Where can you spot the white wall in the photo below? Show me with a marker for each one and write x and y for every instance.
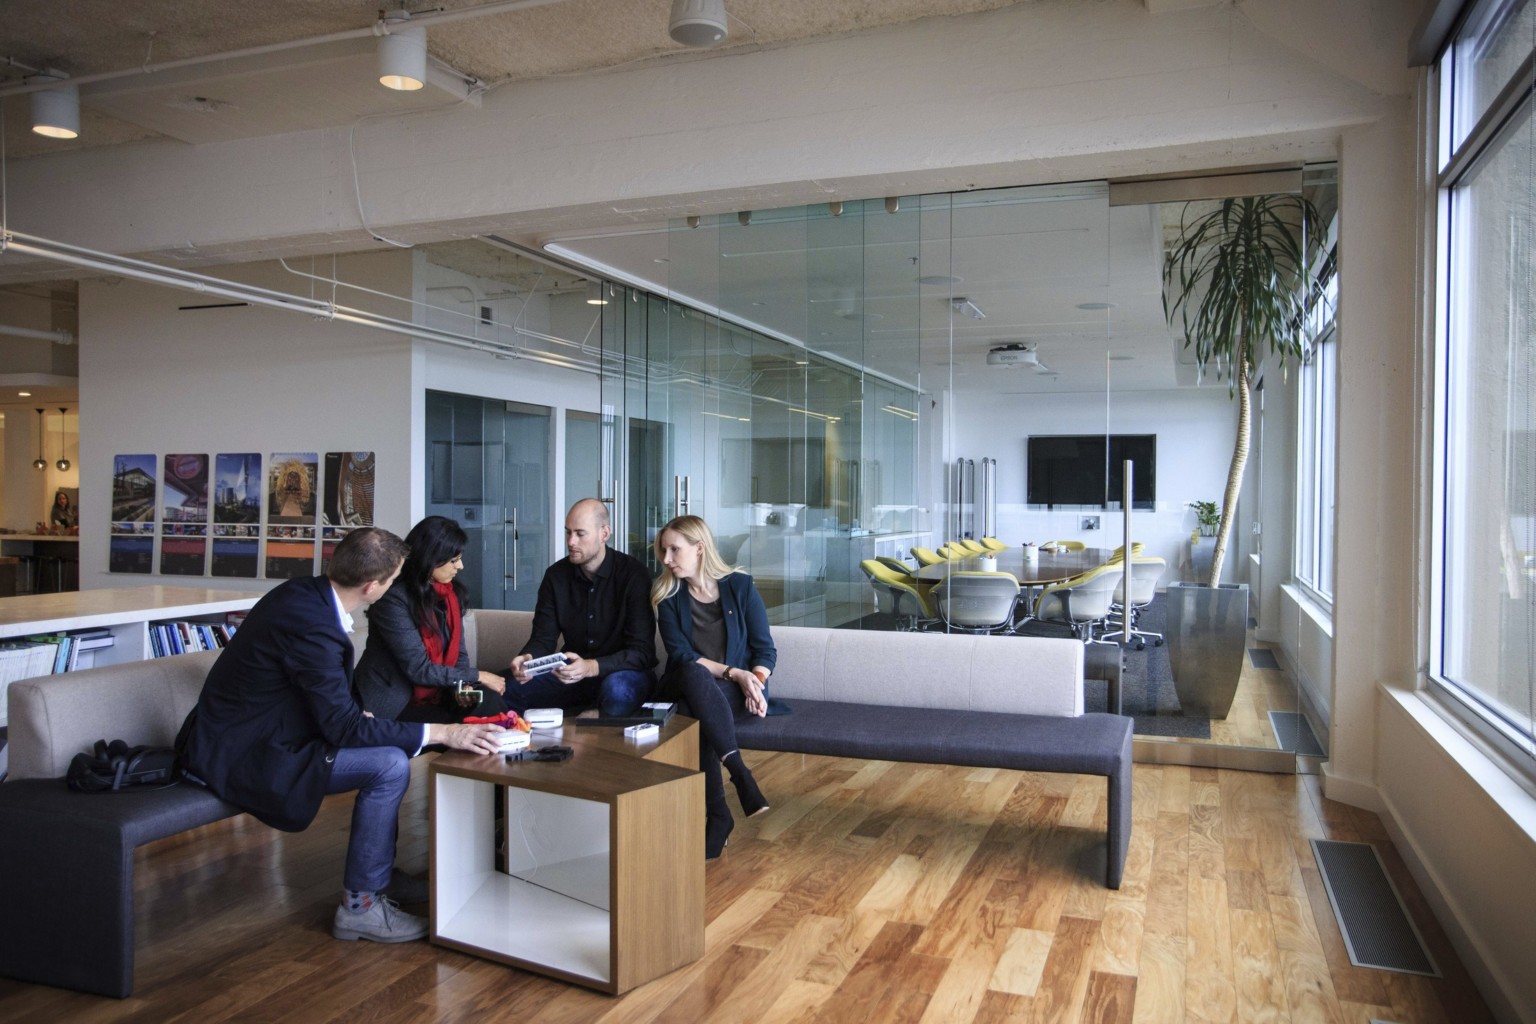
(155, 379)
(1195, 428)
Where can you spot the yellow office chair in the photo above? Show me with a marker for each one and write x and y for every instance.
(974, 547)
(895, 564)
(927, 556)
(1137, 547)
(977, 602)
(993, 544)
(949, 551)
(1081, 601)
(1069, 545)
(897, 595)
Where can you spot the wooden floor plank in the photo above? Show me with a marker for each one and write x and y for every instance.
(871, 891)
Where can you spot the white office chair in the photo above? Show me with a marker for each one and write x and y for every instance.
(1081, 601)
(977, 602)
(1145, 572)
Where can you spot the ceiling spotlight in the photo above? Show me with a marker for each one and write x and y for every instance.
(835, 208)
(693, 220)
(55, 109)
(40, 462)
(892, 204)
(63, 463)
(744, 218)
(961, 304)
(402, 52)
(698, 23)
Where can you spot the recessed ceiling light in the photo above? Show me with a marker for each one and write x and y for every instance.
(661, 259)
(1095, 305)
(853, 314)
(937, 279)
(24, 394)
(1121, 358)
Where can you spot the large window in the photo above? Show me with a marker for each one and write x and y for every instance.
(1484, 655)
(1316, 448)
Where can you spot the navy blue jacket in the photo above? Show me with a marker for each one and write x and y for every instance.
(277, 705)
(747, 640)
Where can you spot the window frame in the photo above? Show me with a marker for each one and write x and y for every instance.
(1455, 166)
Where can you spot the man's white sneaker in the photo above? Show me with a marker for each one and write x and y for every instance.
(381, 920)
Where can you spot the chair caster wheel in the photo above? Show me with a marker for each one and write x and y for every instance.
(1141, 645)
(1157, 643)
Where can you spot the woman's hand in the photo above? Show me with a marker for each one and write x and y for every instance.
(751, 690)
(492, 681)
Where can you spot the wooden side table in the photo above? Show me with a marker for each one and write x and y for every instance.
(604, 879)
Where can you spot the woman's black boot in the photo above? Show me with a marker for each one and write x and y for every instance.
(752, 799)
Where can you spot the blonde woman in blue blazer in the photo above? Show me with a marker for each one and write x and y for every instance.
(719, 657)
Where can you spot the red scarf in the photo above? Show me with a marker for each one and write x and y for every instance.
(434, 642)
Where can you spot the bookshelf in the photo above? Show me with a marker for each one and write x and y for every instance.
(126, 613)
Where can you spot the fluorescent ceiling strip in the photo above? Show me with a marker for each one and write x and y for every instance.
(60, 252)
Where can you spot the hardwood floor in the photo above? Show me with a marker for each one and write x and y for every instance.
(871, 891)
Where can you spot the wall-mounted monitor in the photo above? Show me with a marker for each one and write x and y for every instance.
(1087, 469)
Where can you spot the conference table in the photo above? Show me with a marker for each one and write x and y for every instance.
(1048, 567)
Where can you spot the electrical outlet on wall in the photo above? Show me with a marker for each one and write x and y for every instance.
(469, 514)
(1090, 522)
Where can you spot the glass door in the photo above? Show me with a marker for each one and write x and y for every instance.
(489, 467)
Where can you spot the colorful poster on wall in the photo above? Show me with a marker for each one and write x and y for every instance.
(291, 490)
(348, 489)
(237, 488)
(184, 516)
(292, 510)
(132, 544)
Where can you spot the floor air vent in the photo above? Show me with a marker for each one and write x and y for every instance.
(1294, 733)
(1262, 657)
(1377, 930)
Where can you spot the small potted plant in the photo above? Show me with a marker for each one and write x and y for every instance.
(1208, 516)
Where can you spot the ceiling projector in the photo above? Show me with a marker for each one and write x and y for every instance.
(1015, 354)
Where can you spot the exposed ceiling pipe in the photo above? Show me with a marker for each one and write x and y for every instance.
(318, 309)
(378, 28)
(57, 337)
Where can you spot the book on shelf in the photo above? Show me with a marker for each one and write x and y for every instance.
(187, 637)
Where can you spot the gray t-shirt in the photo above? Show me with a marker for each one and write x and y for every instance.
(709, 630)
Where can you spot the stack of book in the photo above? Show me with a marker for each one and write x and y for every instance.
(46, 654)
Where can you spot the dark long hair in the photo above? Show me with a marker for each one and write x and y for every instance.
(433, 541)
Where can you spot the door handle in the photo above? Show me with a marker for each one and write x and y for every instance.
(512, 522)
(687, 508)
(677, 495)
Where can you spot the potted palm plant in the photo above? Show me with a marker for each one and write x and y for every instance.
(1239, 281)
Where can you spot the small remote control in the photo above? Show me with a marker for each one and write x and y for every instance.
(548, 663)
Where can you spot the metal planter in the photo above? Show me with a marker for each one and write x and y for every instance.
(1207, 633)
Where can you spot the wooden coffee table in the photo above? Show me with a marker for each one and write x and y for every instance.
(604, 877)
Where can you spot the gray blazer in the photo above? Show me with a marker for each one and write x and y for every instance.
(396, 658)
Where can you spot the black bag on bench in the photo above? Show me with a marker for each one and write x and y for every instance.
(116, 766)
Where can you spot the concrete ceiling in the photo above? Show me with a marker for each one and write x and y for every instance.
(333, 83)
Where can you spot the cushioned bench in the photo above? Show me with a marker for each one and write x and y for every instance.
(977, 701)
(67, 858)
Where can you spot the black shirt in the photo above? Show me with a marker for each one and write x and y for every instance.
(709, 630)
(606, 616)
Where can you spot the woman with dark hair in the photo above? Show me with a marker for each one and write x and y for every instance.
(719, 656)
(416, 662)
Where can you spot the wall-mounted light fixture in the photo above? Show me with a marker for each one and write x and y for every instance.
(63, 464)
(402, 53)
(40, 462)
(56, 109)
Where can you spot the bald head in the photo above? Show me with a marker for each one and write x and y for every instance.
(586, 534)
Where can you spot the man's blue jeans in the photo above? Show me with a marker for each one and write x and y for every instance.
(616, 695)
(380, 775)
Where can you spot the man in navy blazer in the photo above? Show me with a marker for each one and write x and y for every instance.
(277, 727)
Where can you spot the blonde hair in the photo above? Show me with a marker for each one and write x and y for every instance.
(695, 531)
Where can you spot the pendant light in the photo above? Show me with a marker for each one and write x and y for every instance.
(63, 464)
(402, 53)
(40, 462)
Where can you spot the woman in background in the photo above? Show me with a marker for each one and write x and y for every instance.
(719, 657)
(63, 513)
(416, 657)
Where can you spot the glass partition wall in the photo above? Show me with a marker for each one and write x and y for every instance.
(833, 385)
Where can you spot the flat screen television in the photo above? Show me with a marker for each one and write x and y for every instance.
(1086, 469)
